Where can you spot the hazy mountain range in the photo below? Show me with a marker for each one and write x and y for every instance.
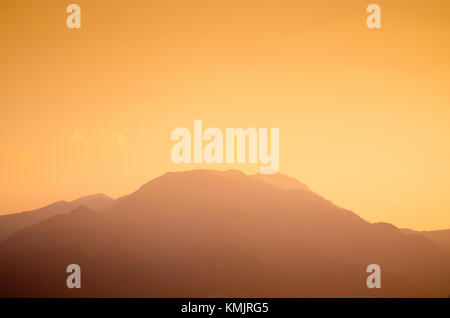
(11, 223)
(207, 233)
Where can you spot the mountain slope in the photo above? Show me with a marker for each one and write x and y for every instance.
(281, 181)
(11, 223)
(224, 234)
(440, 237)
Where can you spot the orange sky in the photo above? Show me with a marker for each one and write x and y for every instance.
(364, 115)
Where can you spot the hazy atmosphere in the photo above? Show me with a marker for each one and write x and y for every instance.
(363, 114)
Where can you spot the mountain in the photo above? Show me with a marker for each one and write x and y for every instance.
(281, 181)
(11, 223)
(209, 233)
(440, 237)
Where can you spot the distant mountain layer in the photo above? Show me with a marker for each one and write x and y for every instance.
(220, 234)
(11, 223)
(440, 237)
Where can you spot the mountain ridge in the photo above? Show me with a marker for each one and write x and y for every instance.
(203, 233)
(10, 223)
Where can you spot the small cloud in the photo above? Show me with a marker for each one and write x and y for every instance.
(26, 156)
(119, 139)
(115, 139)
(75, 135)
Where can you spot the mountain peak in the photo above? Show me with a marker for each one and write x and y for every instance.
(97, 201)
(282, 181)
(209, 232)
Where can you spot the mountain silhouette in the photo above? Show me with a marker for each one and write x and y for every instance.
(205, 233)
(440, 237)
(282, 181)
(11, 223)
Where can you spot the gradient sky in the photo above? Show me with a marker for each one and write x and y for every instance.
(364, 115)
